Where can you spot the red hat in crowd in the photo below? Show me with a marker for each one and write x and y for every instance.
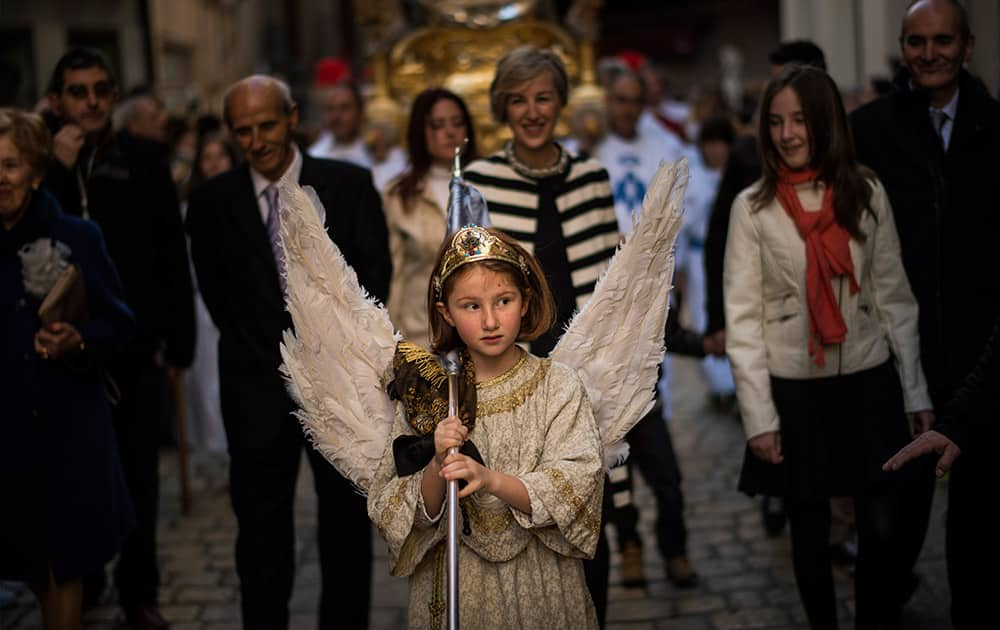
(634, 59)
(330, 71)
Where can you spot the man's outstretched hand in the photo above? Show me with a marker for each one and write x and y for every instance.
(926, 442)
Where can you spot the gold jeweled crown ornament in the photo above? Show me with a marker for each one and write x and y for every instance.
(473, 244)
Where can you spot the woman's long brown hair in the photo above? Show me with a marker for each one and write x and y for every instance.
(408, 186)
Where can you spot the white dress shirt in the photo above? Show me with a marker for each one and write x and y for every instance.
(260, 182)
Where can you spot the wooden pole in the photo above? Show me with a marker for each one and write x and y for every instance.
(182, 444)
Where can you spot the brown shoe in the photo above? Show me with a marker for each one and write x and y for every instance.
(632, 565)
(145, 618)
(680, 572)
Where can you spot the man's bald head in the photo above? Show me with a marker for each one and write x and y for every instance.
(955, 8)
(258, 85)
(262, 117)
(935, 41)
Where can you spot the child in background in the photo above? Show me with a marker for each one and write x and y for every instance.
(821, 331)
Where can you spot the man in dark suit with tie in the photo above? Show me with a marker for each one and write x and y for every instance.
(232, 220)
(933, 144)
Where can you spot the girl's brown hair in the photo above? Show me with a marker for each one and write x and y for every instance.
(541, 314)
(830, 143)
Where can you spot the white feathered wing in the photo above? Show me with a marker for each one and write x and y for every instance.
(338, 358)
(615, 342)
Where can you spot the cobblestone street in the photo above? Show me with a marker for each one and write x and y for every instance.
(746, 577)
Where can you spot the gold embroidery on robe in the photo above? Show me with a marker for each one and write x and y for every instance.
(516, 569)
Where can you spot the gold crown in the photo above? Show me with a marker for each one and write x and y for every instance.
(473, 244)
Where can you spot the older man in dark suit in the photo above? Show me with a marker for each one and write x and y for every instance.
(933, 143)
(233, 223)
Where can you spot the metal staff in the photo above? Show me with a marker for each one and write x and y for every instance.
(455, 191)
(452, 367)
(466, 205)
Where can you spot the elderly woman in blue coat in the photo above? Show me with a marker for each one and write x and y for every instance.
(66, 504)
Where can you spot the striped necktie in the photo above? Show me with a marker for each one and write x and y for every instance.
(274, 232)
(939, 118)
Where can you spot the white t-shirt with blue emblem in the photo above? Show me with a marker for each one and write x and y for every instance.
(631, 165)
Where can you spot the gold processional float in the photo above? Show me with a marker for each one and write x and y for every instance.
(458, 49)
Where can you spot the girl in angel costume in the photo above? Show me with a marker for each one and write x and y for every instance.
(534, 433)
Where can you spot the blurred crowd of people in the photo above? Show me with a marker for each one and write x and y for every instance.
(834, 273)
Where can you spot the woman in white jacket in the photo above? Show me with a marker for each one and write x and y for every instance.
(822, 336)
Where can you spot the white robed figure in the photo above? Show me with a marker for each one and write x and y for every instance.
(541, 430)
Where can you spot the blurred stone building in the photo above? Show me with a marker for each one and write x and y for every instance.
(189, 50)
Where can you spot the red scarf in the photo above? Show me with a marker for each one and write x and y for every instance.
(828, 254)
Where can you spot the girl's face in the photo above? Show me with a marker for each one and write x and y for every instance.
(444, 131)
(532, 112)
(214, 160)
(486, 308)
(789, 133)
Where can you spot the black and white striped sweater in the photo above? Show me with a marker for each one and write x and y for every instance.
(585, 204)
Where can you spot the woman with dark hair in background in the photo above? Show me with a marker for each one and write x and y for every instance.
(69, 509)
(416, 203)
(215, 154)
(822, 337)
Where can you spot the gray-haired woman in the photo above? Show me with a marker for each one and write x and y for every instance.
(558, 206)
(68, 507)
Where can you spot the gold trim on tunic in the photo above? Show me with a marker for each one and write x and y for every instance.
(437, 606)
(566, 493)
(485, 520)
(392, 506)
(506, 376)
(516, 398)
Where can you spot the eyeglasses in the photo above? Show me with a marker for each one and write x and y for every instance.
(101, 89)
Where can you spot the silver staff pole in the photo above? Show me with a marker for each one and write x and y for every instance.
(456, 191)
(452, 368)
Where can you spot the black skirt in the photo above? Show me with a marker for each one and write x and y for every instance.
(836, 432)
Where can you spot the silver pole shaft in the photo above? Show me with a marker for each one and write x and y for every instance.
(453, 510)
